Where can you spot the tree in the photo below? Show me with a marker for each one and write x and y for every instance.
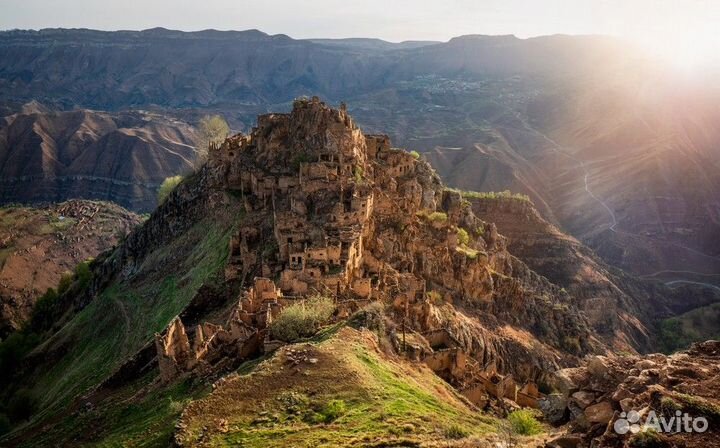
(167, 187)
(212, 129)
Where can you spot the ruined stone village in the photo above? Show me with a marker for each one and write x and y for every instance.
(345, 215)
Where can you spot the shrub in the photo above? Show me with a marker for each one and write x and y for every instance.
(496, 195)
(167, 187)
(456, 432)
(463, 237)
(302, 320)
(65, 282)
(669, 406)
(212, 129)
(358, 174)
(415, 154)
(470, 253)
(12, 350)
(523, 422)
(83, 274)
(43, 308)
(437, 217)
(333, 410)
(435, 297)
(371, 316)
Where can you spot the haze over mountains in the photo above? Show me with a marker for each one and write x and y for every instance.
(611, 146)
(310, 284)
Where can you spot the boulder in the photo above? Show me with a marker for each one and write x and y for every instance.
(566, 441)
(555, 408)
(600, 413)
(645, 364)
(598, 367)
(621, 394)
(583, 398)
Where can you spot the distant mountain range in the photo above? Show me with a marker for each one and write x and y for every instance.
(611, 146)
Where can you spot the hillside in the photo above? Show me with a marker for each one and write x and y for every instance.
(50, 156)
(624, 308)
(604, 157)
(39, 245)
(311, 284)
(248, 236)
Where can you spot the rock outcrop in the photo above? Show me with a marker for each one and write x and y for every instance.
(613, 401)
(335, 212)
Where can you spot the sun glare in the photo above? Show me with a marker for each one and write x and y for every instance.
(685, 37)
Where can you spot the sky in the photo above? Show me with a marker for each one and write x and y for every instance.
(687, 27)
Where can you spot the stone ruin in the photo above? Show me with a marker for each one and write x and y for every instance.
(332, 211)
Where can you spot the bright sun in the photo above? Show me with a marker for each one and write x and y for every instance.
(686, 35)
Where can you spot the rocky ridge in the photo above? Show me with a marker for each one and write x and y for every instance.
(335, 212)
(610, 401)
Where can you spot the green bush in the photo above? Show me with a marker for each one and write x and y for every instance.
(302, 320)
(211, 129)
(83, 274)
(572, 345)
(167, 187)
(333, 410)
(371, 316)
(456, 432)
(463, 237)
(437, 217)
(523, 422)
(415, 154)
(470, 253)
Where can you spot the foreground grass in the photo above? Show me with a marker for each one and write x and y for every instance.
(349, 395)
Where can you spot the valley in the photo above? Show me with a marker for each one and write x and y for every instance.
(458, 235)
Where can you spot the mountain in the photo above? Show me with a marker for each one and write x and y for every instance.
(614, 165)
(50, 156)
(113, 70)
(194, 291)
(612, 147)
(40, 245)
(310, 283)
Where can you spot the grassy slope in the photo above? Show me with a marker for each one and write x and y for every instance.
(387, 401)
(700, 324)
(126, 316)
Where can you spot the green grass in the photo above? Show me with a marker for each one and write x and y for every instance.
(128, 313)
(498, 195)
(701, 324)
(468, 252)
(123, 420)
(362, 400)
(437, 217)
